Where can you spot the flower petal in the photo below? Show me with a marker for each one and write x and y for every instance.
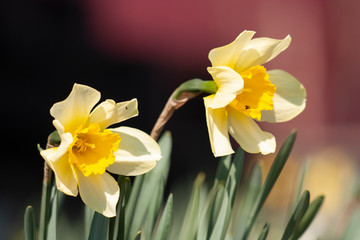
(99, 192)
(249, 135)
(217, 123)
(58, 160)
(289, 99)
(229, 83)
(259, 51)
(137, 154)
(75, 109)
(228, 55)
(109, 112)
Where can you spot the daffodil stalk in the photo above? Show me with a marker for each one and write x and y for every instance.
(46, 188)
(185, 92)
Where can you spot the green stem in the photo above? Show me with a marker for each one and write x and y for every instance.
(45, 203)
(46, 192)
(196, 85)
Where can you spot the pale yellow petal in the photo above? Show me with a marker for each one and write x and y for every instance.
(108, 112)
(58, 160)
(228, 55)
(229, 83)
(260, 51)
(99, 192)
(75, 109)
(217, 123)
(249, 135)
(289, 99)
(59, 127)
(137, 154)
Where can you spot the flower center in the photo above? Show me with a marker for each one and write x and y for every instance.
(92, 150)
(257, 94)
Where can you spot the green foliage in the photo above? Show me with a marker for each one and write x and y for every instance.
(29, 224)
(228, 210)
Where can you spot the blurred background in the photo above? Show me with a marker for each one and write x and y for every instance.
(145, 49)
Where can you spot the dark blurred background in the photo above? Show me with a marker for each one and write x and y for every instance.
(145, 49)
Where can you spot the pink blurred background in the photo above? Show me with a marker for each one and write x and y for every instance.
(324, 54)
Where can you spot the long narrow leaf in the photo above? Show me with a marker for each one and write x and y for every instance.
(88, 217)
(142, 194)
(248, 197)
(204, 222)
(44, 209)
(99, 227)
(297, 215)
(116, 228)
(271, 178)
(222, 170)
(29, 224)
(163, 228)
(233, 179)
(120, 221)
(231, 187)
(153, 209)
(220, 226)
(308, 217)
(264, 232)
(51, 228)
(190, 222)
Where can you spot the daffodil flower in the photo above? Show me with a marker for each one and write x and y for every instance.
(247, 92)
(88, 150)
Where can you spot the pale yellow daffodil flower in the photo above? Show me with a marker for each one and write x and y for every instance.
(88, 149)
(247, 92)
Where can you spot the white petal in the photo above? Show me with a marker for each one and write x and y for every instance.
(228, 55)
(75, 109)
(58, 160)
(137, 154)
(109, 112)
(289, 99)
(249, 135)
(259, 51)
(229, 83)
(99, 192)
(217, 123)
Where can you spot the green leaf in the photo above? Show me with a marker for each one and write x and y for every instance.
(190, 222)
(116, 225)
(99, 227)
(231, 187)
(51, 228)
(142, 194)
(264, 232)
(54, 138)
(205, 223)
(248, 198)
(163, 228)
(220, 224)
(233, 178)
(138, 236)
(196, 85)
(44, 209)
(88, 217)
(297, 215)
(153, 209)
(29, 224)
(270, 180)
(222, 170)
(308, 217)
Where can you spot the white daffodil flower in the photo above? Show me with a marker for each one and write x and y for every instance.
(248, 92)
(88, 149)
